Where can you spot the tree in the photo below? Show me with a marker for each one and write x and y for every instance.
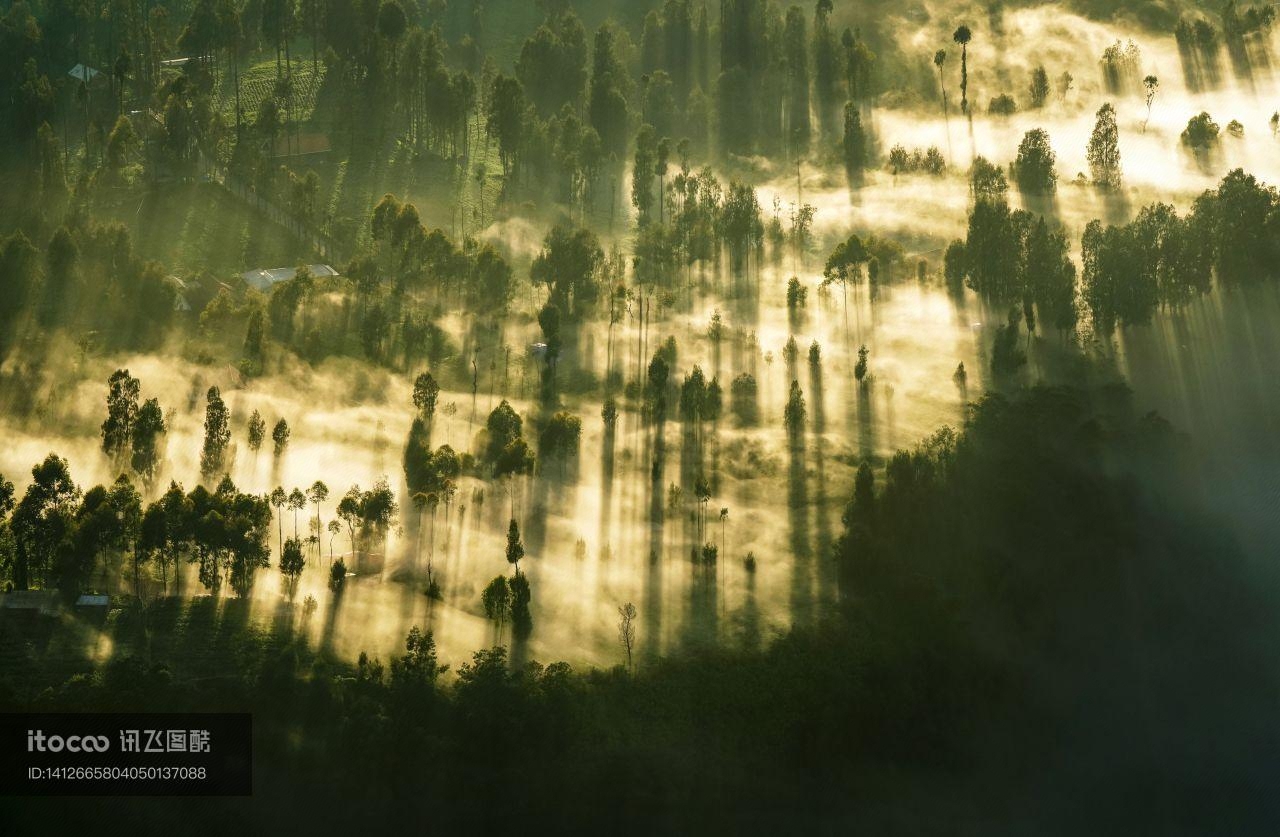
(1104, 150)
(291, 560)
(152, 542)
(257, 430)
(549, 324)
(280, 437)
(337, 575)
(255, 341)
(844, 266)
(425, 394)
(42, 521)
(552, 65)
(568, 264)
(297, 502)
(515, 549)
(1065, 83)
(608, 97)
(122, 409)
(108, 520)
(496, 600)
(627, 629)
(795, 49)
(955, 267)
(334, 528)
(420, 665)
(317, 494)
(1201, 133)
(521, 596)
(855, 140)
(1033, 170)
(217, 434)
(1039, 89)
(378, 508)
(642, 169)
(743, 393)
(1006, 356)
(560, 438)
(1238, 224)
(504, 448)
(392, 23)
(6, 497)
(794, 413)
(62, 270)
(178, 511)
(1002, 105)
(939, 59)
(19, 279)
(826, 67)
(860, 368)
(505, 120)
(491, 279)
(656, 385)
(148, 426)
(1050, 276)
(120, 145)
(279, 498)
(858, 61)
(724, 518)
(1151, 85)
(962, 36)
(349, 512)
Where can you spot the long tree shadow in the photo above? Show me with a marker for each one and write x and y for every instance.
(751, 612)
(282, 619)
(1250, 56)
(1200, 69)
(826, 577)
(799, 531)
(1116, 207)
(702, 626)
(866, 421)
(332, 610)
(651, 642)
(607, 465)
(194, 637)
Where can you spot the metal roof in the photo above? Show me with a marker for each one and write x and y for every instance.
(264, 278)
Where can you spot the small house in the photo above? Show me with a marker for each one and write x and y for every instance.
(93, 606)
(83, 73)
(29, 604)
(264, 279)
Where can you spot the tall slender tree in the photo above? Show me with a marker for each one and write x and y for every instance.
(962, 36)
(939, 59)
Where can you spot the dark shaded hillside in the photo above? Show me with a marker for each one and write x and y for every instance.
(1041, 635)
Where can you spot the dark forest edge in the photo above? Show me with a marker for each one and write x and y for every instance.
(1039, 582)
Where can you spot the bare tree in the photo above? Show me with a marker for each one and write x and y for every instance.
(627, 629)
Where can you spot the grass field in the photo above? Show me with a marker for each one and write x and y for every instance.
(258, 81)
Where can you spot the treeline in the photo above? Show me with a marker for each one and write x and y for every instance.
(1021, 601)
(1160, 259)
(58, 536)
(85, 276)
(561, 121)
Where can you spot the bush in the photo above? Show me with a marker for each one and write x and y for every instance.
(1002, 105)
